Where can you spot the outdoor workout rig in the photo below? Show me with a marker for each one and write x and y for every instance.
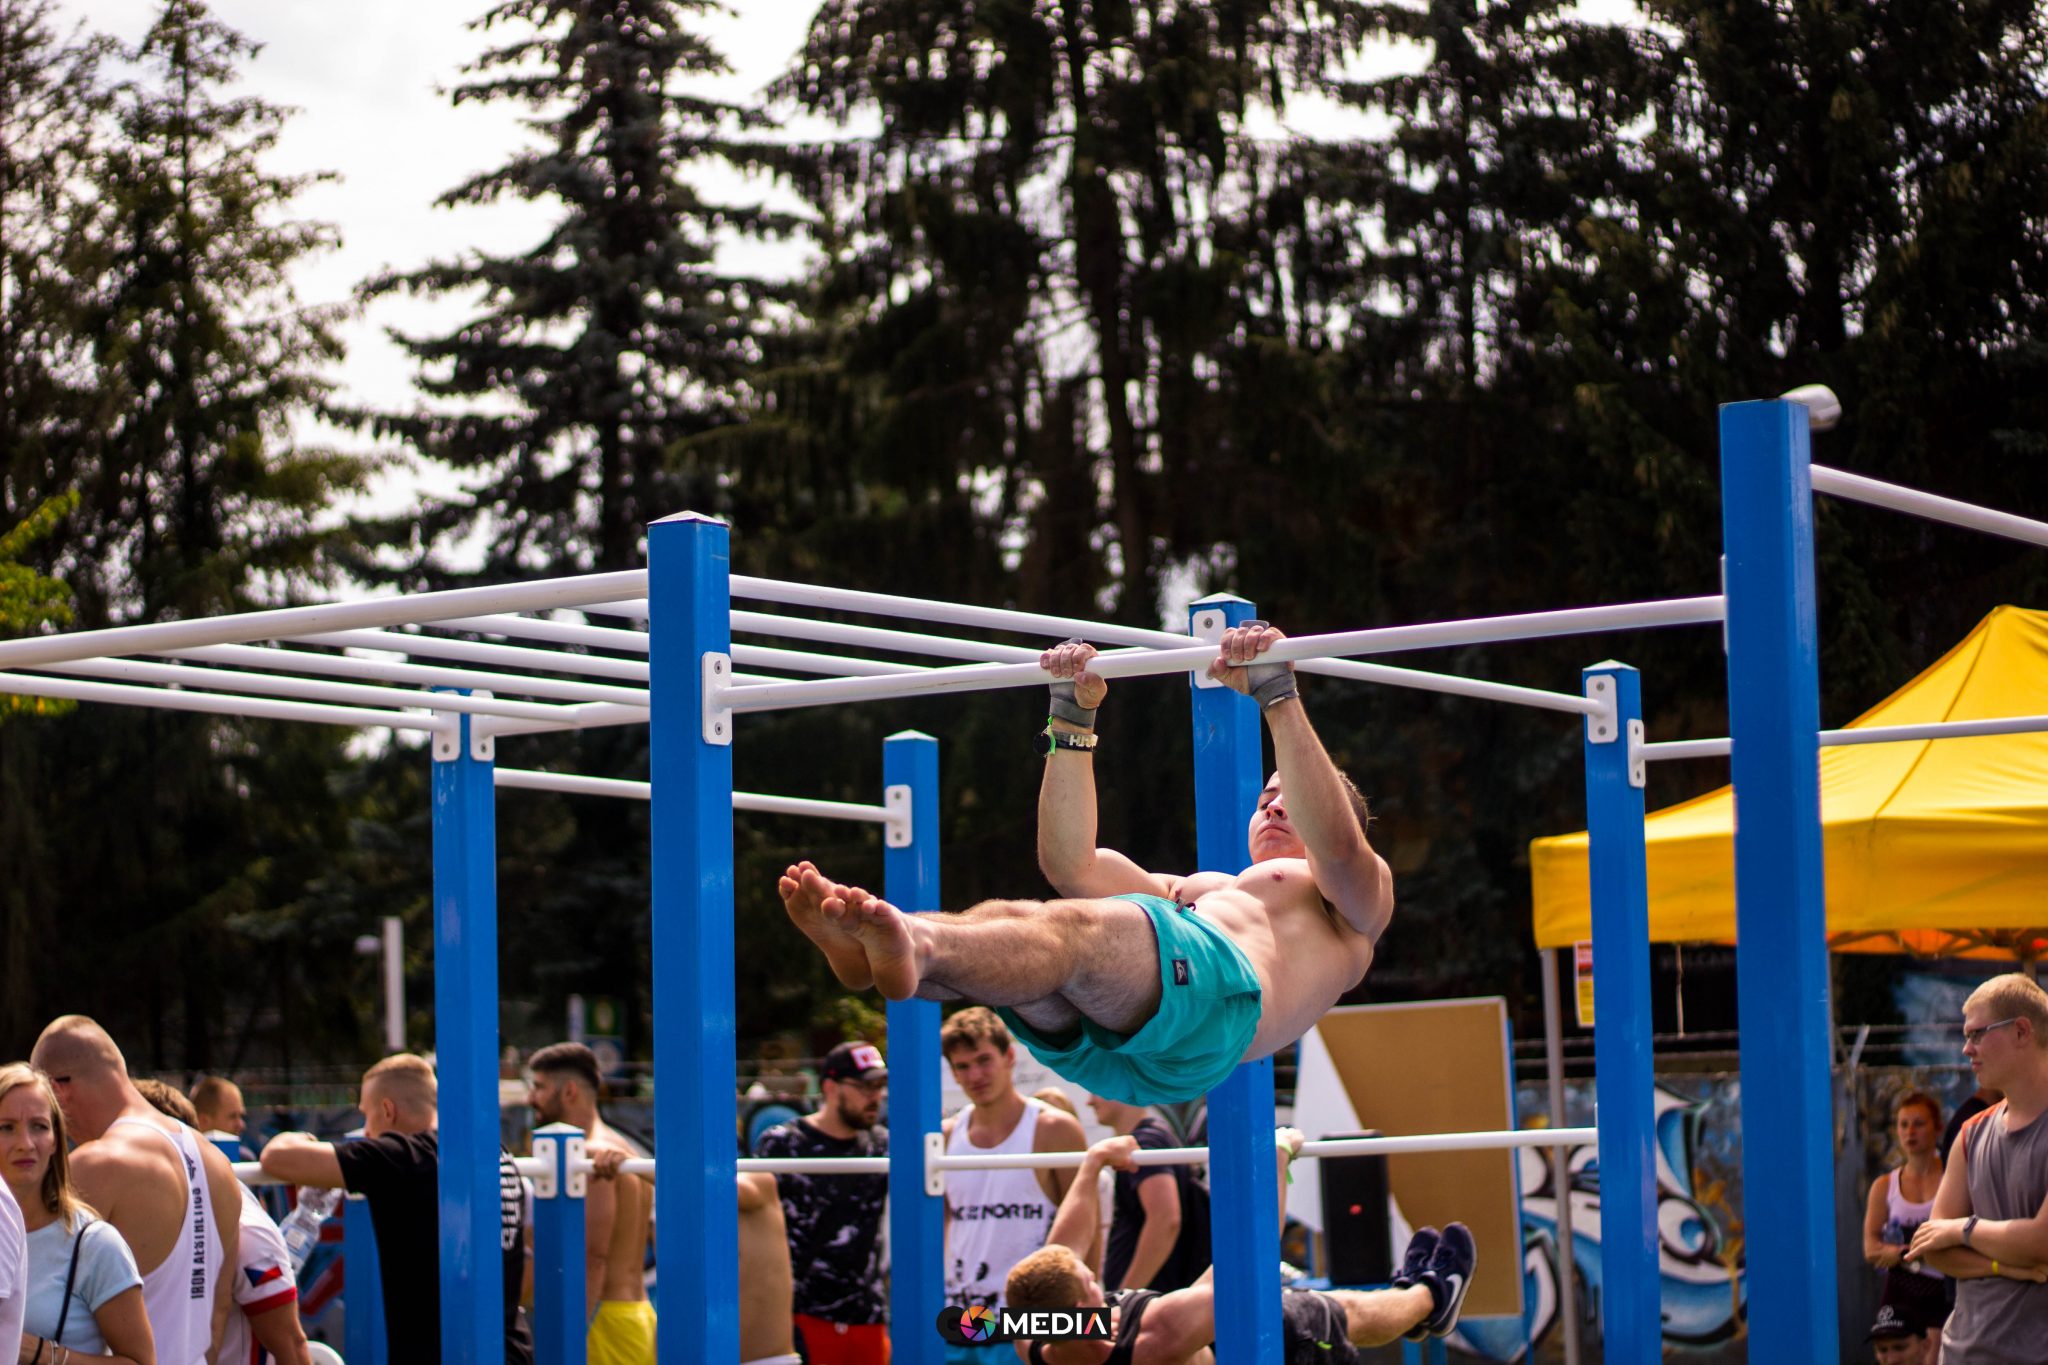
(679, 675)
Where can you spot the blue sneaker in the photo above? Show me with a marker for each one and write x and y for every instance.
(1449, 1276)
(1414, 1266)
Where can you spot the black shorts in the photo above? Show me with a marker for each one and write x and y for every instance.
(1313, 1329)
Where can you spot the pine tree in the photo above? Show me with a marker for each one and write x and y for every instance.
(577, 399)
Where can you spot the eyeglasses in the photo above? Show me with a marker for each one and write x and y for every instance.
(1974, 1036)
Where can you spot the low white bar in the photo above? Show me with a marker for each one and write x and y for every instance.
(510, 656)
(281, 622)
(1857, 488)
(390, 670)
(1865, 734)
(530, 779)
(252, 1173)
(590, 716)
(205, 703)
(1388, 639)
(300, 689)
(1310, 1151)
(816, 1165)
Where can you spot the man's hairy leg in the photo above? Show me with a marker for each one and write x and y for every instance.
(1374, 1317)
(1099, 957)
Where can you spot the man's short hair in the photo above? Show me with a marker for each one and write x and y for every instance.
(211, 1092)
(569, 1059)
(407, 1080)
(970, 1028)
(75, 1045)
(1046, 1279)
(167, 1099)
(2015, 996)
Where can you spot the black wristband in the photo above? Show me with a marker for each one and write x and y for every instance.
(1062, 739)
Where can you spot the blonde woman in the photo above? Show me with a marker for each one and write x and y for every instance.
(84, 1297)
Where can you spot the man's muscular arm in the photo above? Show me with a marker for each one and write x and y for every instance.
(1356, 880)
(1067, 853)
(224, 1193)
(1057, 1132)
(302, 1159)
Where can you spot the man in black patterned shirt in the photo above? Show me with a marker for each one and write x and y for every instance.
(834, 1220)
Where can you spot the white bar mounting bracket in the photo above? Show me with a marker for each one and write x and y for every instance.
(934, 1178)
(1602, 728)
(1209, 628)
(717, 678)
(1638, 766)
(898, 831)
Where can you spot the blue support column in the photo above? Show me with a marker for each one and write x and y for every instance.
(695, 1108)
(1632, 1324)
(466, 1049)
(1781, 959)
(1244, 1230)
(362, 1287)
(560, 1329)
(917, 1221)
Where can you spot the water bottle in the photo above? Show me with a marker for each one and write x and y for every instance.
(301, 1227)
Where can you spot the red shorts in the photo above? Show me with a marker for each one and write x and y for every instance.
(836, 1343)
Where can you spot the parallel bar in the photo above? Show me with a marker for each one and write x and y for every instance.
(256, 708)
(1632, 1327)
(511, 656)
(300, 689)
(1857, 488)
(1244, 1229)
(988, 677)
(689, 558)
(799, 661)
(588, 716)
(472, 1326)
(917, 1221)
(389, 670)
(281, 622)
(1864, 734)
(530, 779)
(559, 632)
(1781, 961)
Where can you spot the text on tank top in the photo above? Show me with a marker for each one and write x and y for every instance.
(177, 1296)
(998, 1217)
(1999, 1319)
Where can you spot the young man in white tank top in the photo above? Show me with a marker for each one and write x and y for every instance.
(172, 1197)
(995, 1219)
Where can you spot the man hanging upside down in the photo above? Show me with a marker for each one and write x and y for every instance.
(1141, 986)
(1179, 1327)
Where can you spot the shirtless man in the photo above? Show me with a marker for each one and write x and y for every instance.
(1179, 1327)
(1141, 986)
(767, 1326)
(170, 1194)
(615, 1211)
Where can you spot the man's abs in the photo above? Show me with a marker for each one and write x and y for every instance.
(1278, 918)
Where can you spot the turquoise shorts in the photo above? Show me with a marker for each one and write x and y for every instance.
(1208, 1011)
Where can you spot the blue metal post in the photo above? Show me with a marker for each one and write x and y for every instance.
(1632, 1325)
(917, 1221)
(362, 1287)
(560, 1326)
(466, 1049)
(1788, 1138)
(1244, 1232)
(695, 1107)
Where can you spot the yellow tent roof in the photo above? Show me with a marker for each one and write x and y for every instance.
(1932, 846)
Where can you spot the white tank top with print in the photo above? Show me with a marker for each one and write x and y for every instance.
(177, 1296)
(998, 1217)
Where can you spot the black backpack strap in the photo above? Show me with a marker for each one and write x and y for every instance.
(70, 1279)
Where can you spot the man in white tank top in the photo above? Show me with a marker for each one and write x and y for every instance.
(171, 1195)
(996, 1218)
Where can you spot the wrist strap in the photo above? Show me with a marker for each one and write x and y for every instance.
(1061, 739)
(1269, 684)
(1969, 1227)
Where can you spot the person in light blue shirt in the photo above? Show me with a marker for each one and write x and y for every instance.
(83, 1294)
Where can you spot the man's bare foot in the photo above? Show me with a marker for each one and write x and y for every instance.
(884, 934)
(804, 891)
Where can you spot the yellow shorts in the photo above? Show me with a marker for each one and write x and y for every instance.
(622, 1334)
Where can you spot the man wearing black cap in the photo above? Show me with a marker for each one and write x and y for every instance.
(1901, 1335)
(834, 1220)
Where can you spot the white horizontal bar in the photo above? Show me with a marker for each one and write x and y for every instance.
(533, 780)
(897, 641)
(798, 661)
(299, 689)
(389, 670)
(252, 1173)
(256, 708)
(511, 656)
(988, 677)
(813, 1165)
(589, 716)
(1857, 488)
(560, 632)
(282, 622)
(1865, 734)
(1334, 1147)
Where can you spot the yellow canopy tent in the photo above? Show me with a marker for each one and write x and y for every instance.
(1938, 847)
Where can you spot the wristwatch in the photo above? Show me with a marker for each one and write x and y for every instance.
(1969, 1226)
(1063, 739)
